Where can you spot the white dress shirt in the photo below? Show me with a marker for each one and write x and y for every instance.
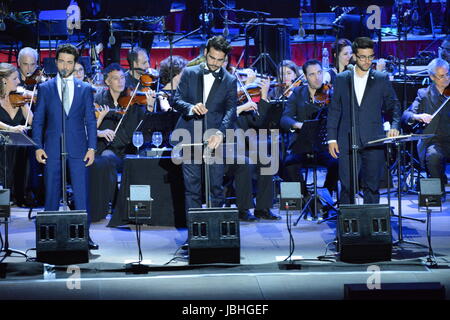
(360, 85)
(208, 81)
(71, 85)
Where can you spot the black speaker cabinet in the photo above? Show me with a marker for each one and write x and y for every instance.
(214, 235)
(431, 192)
(62, 237)
(364, 233)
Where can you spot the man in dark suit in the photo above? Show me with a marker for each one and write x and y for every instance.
(301, 106)
(372, 94)
(206, 99)
(64, 94)
(435, 151)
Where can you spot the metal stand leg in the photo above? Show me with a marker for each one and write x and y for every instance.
(8, 251)
(399, 196)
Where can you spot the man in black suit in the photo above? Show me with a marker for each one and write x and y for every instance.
(206, 99)
(435, 151)
(372, 94)
(302, 106)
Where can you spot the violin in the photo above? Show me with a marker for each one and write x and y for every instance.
(127, 98)
(297, 82)
(19, 100)
(253, 90)
(35, 78)
(99, 109)
(323, 95)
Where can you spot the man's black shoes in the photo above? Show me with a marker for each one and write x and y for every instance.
(92, 245)
(266, 214)
(246, 215)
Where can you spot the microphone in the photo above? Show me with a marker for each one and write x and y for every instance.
(112, 39)
(226, 31)
(301, 30)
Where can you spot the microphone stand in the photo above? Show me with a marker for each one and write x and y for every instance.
(63, 151)
(353, 144)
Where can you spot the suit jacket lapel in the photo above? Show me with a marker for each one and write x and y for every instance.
(369, 85)
(76, 94)
(200, 83)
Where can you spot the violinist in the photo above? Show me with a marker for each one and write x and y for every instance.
(139, 63)
(433, 152)
(169, 84)
(288, 73)
(27, 61)
(15, 119)
(301, 106)
(113, 139)
(253, 115)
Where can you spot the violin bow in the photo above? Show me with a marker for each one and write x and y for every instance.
(126, 109)
(29, 107)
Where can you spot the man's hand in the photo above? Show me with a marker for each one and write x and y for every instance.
(199, 109)
(333, 149)
(393, 133)
(214, 141)
(41, 156)
(89, 157)
(108, 134)
(423, 117)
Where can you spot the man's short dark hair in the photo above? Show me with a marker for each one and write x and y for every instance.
(112, 67)
(69, 49)
(219, 43)
(362, 43)
(311, 62)
(133, 54)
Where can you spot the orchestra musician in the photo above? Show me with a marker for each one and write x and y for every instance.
(69, 97)
(433, 152)
(113, 140)
(27, 61)
(253, 115)
(301, 106)
(206, 94)
(288, 73)
(373, 95)
(444, 49)
(139, 63)
(341, 53)
(14, 118)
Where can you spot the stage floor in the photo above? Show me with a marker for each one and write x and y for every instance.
(259, 276)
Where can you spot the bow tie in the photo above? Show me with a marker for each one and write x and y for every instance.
(216, 74)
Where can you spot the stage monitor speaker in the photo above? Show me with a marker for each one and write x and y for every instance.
(364, 233)
(430, 190)
(62, 237)
(214, 235)
(140, 204)
(290, 194)
(396, 291)
(5, 207)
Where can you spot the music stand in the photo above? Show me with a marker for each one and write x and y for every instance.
(397, 141)
(8, 138)
(308, 142)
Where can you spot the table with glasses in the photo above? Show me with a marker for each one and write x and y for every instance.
(167, 190)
